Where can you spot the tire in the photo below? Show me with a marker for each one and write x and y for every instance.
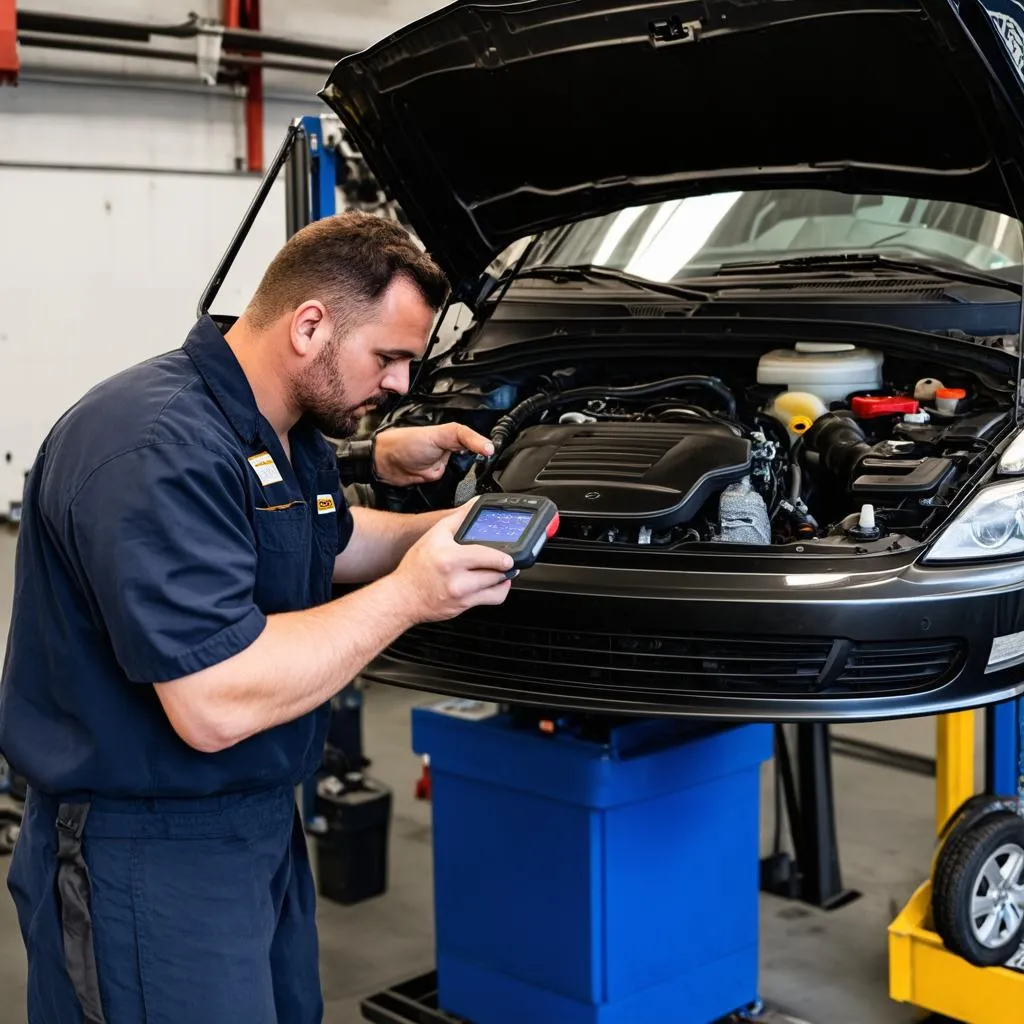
(948, 856)
(978, 891)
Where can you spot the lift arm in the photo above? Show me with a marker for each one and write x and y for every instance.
(954, 757)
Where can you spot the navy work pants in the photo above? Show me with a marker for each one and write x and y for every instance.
(167, 911)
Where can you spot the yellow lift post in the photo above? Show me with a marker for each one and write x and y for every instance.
(922, 971)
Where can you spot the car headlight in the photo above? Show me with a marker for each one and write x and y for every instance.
(991, 526)
(1012, 459)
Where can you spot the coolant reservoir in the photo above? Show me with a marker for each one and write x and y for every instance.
(828, 371)
(797, 411)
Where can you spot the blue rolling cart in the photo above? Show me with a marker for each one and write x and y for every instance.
(588, 871)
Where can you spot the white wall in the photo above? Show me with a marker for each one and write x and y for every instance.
(119, 191)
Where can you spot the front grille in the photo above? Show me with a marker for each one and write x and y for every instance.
(906, 664)
(650, 663)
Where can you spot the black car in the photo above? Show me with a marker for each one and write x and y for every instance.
(738, 285)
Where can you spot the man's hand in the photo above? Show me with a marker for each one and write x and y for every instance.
(444, 579)
(418, 455)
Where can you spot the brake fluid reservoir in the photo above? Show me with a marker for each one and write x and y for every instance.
(829, 371)
(796, 411)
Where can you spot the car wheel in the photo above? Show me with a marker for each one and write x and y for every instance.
(978, 891)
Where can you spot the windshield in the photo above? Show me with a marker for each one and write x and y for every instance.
(683, 238)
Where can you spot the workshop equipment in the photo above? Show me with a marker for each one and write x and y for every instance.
(592, 871)
(812, 872)
(518, 524)
(923, 971)
(352, 847)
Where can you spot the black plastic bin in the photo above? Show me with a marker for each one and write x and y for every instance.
(352, 854)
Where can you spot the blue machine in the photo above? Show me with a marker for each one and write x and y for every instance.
(602, 879)
(323, 169)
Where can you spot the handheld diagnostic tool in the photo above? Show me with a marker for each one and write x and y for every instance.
(519, 524)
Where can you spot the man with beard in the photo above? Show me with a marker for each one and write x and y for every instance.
(174, 641)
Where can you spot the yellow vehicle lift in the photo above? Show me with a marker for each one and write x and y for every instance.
(949, 946)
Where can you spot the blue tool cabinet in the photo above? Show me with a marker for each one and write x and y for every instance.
(586, 882)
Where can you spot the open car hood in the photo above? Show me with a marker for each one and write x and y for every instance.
(491, 121)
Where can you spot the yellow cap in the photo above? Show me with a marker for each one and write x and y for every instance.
(799, 424)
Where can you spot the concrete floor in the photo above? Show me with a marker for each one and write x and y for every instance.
(824, 967)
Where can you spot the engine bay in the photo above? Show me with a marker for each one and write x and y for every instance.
(819, 444)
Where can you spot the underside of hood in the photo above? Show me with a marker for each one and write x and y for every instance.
(490, 121)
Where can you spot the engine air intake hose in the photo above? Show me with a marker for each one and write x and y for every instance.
(840, 442)
(510, 423)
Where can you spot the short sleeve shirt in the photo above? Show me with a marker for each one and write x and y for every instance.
(162, 523)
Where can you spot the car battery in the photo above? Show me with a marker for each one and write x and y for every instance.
(352, 849)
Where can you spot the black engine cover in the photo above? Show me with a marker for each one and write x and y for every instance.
(653, 474)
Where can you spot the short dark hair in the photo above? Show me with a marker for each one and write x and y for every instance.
(346, 262)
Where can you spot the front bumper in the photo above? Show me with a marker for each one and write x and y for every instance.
(825, 643)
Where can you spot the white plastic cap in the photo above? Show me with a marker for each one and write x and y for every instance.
(824, 346)
(867, 517)
(916, 417)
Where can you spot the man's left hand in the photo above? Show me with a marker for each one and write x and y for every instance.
(418, 455)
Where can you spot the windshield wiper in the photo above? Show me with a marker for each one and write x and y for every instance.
(858, 263)
(586, 272)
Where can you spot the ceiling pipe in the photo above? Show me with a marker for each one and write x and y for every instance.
(101, 28)
(47, 42)
(237, 44)
(246, 40)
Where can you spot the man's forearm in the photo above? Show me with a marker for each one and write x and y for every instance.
(298, 662)
(379, 540)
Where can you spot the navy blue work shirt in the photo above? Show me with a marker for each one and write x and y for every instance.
(162, 523)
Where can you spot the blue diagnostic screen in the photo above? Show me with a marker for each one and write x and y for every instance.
(499, 525)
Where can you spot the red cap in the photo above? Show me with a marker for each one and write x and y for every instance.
(883, 405)
(552, 526)
(957, 393)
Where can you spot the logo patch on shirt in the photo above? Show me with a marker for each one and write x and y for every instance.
(266, 469)
(324, 504)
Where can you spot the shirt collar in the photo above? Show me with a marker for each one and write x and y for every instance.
(220, 370)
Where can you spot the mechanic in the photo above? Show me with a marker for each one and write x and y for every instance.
(174, 641)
